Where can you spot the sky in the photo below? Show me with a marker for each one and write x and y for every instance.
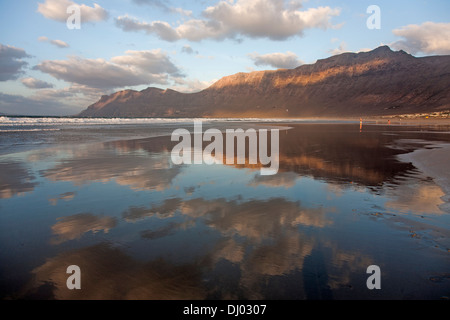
(50, 65)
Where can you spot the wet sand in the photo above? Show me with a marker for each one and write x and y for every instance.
(434, 162)
(141, 227)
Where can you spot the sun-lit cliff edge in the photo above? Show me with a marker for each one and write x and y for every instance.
(376, 83)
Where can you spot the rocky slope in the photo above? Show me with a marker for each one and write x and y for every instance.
(379, 82)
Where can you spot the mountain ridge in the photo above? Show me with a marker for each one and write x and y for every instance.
(375, 83)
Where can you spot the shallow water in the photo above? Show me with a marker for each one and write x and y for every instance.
(140, 227)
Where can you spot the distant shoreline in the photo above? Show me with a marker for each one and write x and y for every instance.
(369, 120)
(402, 121)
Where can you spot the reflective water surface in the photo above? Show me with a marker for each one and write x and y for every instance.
(140, 227)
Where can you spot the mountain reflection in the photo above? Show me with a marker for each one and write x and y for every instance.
(340, 154)
(335, 153)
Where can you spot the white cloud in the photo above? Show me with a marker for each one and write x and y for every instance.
(365, 49)
(156, 3)
(33, 83)
(161, 28)
(66, 101)
(188, 49)
(429, 38)
(181, 11)
(57, 43)
(342, 48)
(89, 79)
(288, 60)
(132, 69)
(57, 10)
(11, 62)
(273, 19)
(75, 97)
(20, 105)
(165, 5)
(191, 86)
(334, 40)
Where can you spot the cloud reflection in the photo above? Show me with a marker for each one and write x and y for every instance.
(110, 274)
(417, 198)
(254, 219)
(103, 163)
(65, 196)
(73, 227)
(261, 237)
(15, 179)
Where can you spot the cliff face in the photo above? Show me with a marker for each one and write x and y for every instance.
(379, 82)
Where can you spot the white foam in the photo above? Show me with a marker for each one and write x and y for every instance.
(28, 121)
(12, 121)
(27, 130)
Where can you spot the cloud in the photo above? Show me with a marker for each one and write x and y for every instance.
(429, 38)
(76, 96)
(33, 83)
(57, 43)
(273, 19)
(162, 29)
(188, 49)
(191, 85)
(45, 101)
(165, 5)
(341, 49)
(132, 69)
(11, 62)
(277, 60)
(20, 105)
(57, 10)
(155, 3)
(181, 11)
